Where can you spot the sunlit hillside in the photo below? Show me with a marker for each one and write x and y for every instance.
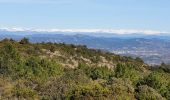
(50, 71)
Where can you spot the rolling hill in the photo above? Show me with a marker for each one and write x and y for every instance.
(59, 71)
(153, 49)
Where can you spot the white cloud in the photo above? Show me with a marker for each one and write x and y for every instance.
(110, 31)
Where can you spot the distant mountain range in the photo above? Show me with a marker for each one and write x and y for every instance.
(153, 48)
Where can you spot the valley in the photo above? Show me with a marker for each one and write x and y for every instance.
(153, 49)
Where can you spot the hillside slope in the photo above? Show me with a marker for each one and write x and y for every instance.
(153, 49)
(47, 71)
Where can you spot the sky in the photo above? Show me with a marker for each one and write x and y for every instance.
(86, 14)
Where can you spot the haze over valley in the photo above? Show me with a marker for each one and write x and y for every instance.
(152, 46)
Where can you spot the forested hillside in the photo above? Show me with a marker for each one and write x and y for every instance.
(51, 71)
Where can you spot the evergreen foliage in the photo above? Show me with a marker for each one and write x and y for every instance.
(50, 71)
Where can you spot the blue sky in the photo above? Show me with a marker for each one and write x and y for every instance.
(86, 14)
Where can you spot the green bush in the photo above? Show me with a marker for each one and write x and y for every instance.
(59, 88)
(24, 41)
(97, 72)
(148, 93)
(127, 71)
(10, 60)
(160, 81)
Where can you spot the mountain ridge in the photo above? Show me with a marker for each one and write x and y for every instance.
(135, 45)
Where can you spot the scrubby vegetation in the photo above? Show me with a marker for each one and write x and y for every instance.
(50, 71)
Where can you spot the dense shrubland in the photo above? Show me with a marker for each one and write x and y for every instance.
(48, 71)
